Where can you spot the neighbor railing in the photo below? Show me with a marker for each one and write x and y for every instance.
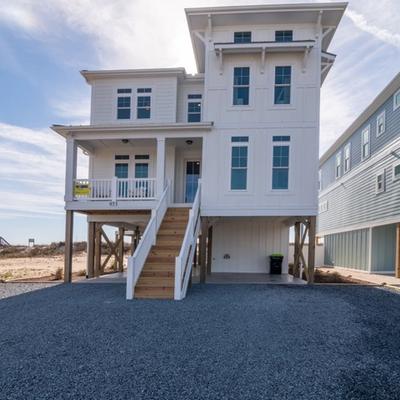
(137, 261)
(184, 262)
(115, 189)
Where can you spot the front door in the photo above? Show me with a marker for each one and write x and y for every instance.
(121, 172)
(191, 180)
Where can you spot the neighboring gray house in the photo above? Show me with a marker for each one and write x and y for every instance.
(359, 198)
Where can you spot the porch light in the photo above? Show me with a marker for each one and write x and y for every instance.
(189, 142)
(125, 141)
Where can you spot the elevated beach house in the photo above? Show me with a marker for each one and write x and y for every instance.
(359, 198)
(230, 153)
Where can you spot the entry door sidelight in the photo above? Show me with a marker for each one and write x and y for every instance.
(191, 180)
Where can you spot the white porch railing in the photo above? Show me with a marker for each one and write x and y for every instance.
(115, 189)
(137, 261)
(184, 262)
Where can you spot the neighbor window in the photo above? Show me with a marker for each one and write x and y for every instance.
(241, 86)
(380, 124)
(194, 108)
(347, 153)
(239, 155)
(143, 103)
(338, 164)
(124, 103)
(365, 143)
(283, 36)
(283, 80)
(280, 162)
(380, 182)
(396, 172)
(396, 100)
(242, 37)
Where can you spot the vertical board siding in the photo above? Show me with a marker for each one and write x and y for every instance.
(383, 248)
(376, 143)
(348, 249)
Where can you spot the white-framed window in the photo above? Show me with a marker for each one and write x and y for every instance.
(242, 37)
(365, 142)
(346, 161)
(283, 36)
(241, 86)
(282, 87)
(323, 207)
(280, 162)
(396, 172)
(396, 100)
(338, 165)
(194, 108)
(143, 103)
(380, 182)
(124, 99)
(239, 161)
(381, 123)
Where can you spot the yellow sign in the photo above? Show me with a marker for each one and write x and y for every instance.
(82, 189)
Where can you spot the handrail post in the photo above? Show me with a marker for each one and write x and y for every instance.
(130, 278)
(178, 278)
(114, 183)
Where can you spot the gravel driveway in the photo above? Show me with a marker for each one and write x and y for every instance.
(222, 342)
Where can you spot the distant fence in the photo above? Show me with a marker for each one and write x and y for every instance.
(319, 254)
(3, 242)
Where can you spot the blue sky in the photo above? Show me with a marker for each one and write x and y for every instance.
(43, 45)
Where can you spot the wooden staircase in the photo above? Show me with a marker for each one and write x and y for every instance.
(157, 279)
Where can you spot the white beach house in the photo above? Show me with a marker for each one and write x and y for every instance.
(230, 153)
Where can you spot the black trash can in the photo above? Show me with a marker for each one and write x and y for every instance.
(275, 264)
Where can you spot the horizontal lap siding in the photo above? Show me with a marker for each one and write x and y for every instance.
(348, 249)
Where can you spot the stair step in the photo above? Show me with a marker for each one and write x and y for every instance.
(173, 224)
(164, 252)
(159, 273)
(157, 266)
(160, 259)
(176, 218)
(154, 293)
(172, 231)
(155, 281)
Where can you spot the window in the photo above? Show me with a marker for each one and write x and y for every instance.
(241, 86)
(143, 103)
(365, 143)
(121, 157)
(239, 156)
(283, 36)
(242, 37)
(141, 170)
(396, 100)
(194, 108)
(121, 170)
(380, 124)
(142, 157)
(283, 78)
(380, 182)
(323, 207)
(396, 172)
(347, 154)
(124, 103)
(338, 162)
(280, 162)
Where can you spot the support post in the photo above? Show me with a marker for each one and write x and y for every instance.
(70, 168)
(209, 250)
(90, 250)
(121, 235)
(160, 166)
(311, 249)
(69, 229)
(296, 250)
(398, 251)
(97, 250)
(203, 249)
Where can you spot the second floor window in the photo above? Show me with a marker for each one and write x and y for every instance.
(280, 162)
(380, 124)
(242, 37)
(194, 108)
(239, 162)
(283, 80)
(347, 158)
(283, 36)
(143, 103)
(365, 143)
(124, 103)
(338, 165)
(241, 86)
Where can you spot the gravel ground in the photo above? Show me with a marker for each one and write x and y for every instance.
(222, 342)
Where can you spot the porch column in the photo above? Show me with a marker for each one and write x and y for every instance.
(160, 166)
(90, 250)
(70, 169)
(203, 249)
(311, 248)
(69, 229)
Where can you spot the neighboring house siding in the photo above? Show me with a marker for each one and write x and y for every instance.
(348, 249)
(354, 200)
(376, 143)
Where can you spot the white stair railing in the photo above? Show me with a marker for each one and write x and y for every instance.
(184, 262)
(137, 261)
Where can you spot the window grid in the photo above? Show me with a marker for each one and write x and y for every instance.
(241, 86)
(242, 37)
(123, 107)
(283, 36)
(380, 124)
(280, 167)
(347, 154)
(283, 80)
(380, 182)
(143, 107)
(338, 163)
(239, 161)
(194, 108)
(365, 143)
(396, 100)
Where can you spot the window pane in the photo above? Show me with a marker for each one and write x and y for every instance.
(240, 96)
(240, 139)
(241, 76)
(194, 107)
(143, 113)
(282, 95)
(283, 36)
(194, 117)
(242, 37)
(283, 75)
(239, 157)
(143, 101)
(124, 101)
(280, 178)
(281, 138)
(121, 171)
(124, 113)
(194, 96)
(239, 179)
(141, 170)
(124, 90)
(397, 170)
